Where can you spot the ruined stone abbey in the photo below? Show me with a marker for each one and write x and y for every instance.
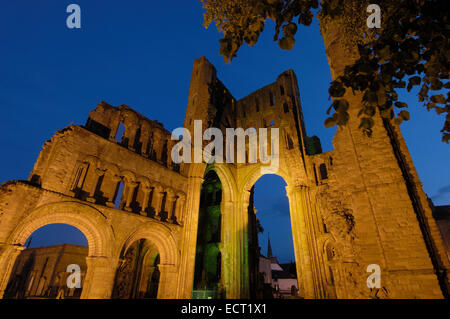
(158, 229)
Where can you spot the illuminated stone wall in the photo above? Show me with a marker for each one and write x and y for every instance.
(359, 204)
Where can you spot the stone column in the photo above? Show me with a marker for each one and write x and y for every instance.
(235, 247)
(145, 136)
(92, 184)
(170, 200)
(167, 281)
(8, 256)
(179, 208)
(99, 281)
(157, 199)
(241, 250)
(115, 179)
(130, 134)
(158, 143)
(146, 190)
(186, 272)
(301, 242)
(130, 192)
(228, 250)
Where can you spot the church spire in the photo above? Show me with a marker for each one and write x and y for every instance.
(269, 248)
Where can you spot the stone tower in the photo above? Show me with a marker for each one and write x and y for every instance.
(358, 205)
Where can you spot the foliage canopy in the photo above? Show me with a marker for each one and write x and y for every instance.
(411, 49)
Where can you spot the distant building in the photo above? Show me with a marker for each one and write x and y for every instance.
(282, 278)
(41, 272)
(442, 216)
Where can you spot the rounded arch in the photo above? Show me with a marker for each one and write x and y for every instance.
(128, 116)
(144, 181)
(169, 190)
(91, 222)
(128, 176)
(229, 188)
(157, 185)
(113, 169)
(254, 175)
(160, 236)
(145, 126)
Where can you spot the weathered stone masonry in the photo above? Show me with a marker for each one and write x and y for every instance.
(360, 204)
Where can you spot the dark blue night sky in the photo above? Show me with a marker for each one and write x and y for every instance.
(140, 53)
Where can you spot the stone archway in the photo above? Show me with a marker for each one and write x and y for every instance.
(161, 237)
(303, 235)
(91, 222)
(228, 208)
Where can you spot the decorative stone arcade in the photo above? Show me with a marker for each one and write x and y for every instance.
(357, 205)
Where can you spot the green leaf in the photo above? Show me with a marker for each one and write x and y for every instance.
(398, 120)
(286, 43)
(342, 118)
(415, 80)
(438, 99)
(330, 122)
(400, 104)
(290, 29)
(305, 18)
(404, 115)
(423, 93)
(436, 84)
(336, 89)
(387, 114)
(446, 138)
(340, 105)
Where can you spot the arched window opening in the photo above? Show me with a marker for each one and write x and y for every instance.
(49, 250)
(98, 193)
(281, 90)
(257, 104)
(118, 203)
(120, 133)
(137, 145)
(78, 179)
(271, 99)
(163, 214)
(286, 108)
(134, 204)
(271, 259)
(323, 171)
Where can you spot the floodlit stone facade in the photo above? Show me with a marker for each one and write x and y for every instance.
(359, 204)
